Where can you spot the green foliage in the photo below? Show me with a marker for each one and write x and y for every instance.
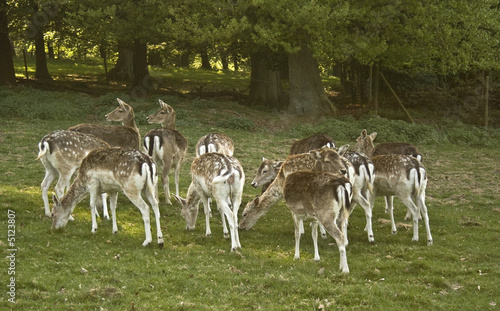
(238, 123)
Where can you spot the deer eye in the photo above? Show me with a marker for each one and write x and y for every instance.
(265, 171)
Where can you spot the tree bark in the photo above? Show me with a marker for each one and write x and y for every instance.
(41, 72)
(7, 73)
(140, 63)
(307, 94)
(124, 68)
(265, 84)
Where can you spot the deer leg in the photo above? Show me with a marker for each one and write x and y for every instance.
(93, 210)
(177, 172)
(365, 204)
(408, 202)
(165, 182)
(50, 174)
(236, 202)
(144, 208)
(390, 209)
(425, 216)
(206, 208)
(105, 213)
(226, 211)
(337, 234)
(314, 234)
(298, 234)
(154, 204)
(113, 197)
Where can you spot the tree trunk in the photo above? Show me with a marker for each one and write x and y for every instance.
(42, 72)
(140, 63)
(205, 60)
(265, 84)
(124, 68)
(376, 79)
(7, 73)
(307, 94)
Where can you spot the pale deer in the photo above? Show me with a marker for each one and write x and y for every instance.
(222, 178)
(315, 141)
(324, 198)
(166, 146)
(274, 193)
(125, 136)
(405, 177)
(111, 170)
(215, 142)
(61, 153)
(266, 173)
(364, 144)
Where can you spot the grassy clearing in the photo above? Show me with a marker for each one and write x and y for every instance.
(74, 269)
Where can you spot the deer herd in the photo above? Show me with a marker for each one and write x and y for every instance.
(319, 181)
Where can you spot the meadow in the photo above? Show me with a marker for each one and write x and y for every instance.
(77, 270)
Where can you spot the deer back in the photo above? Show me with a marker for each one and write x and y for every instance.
(162, 142)
(312, 142)
(215, 142)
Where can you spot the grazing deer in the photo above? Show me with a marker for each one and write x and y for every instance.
(312, 142)
(266, 173)
(297, 162)
(61, 153)
(364, 144)
(166, 146)
(405, 177)
(111, 170)
(323, 197)
(222, 178)
(126, 136)
(215, 142)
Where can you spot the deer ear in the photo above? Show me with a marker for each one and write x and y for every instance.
(180, 200)
(55, 199)
(364, 133)
(120, 102)
(373, 135)
(162, 103)
(342, 150)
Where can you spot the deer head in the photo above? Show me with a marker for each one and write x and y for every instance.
(364, 143)
(165, 116)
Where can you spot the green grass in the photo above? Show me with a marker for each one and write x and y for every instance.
(193, 272)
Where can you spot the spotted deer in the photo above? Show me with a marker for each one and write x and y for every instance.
(274, 193)
(405, 177)
(125, 136)
(166, 146)
(315, 141)
(324, 198)
(215, 142)
(364, 144)
(61, 153)
(220, 177)
(111, 170)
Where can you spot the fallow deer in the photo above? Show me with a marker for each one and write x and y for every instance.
(304, 161)
(166, 146)
(364, 144)
(315, 141)
(222, 178)
(323, 197)
(61, 153)
(215, 142)
(111, 170)
(125, 136)
(405, 177)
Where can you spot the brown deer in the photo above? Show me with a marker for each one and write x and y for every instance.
(111, 170)
(215, 142)
(364, 144)
(405, 177)
(166, 146)
(315, 141)
(222, 178)
(125, 136)
(323, 197)
(61, 153)
(304, 161)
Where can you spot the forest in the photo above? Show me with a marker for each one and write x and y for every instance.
(430, 54)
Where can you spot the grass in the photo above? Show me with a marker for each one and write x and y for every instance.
(74, 269)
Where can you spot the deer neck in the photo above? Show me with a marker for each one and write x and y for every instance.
(169, 124)
(75, 194)
(130, 121)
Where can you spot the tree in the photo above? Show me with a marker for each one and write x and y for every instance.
(7, 73)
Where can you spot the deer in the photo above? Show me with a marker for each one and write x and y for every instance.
(364, 144)
(215, 142)
(126, 136)
(259, 206)
(111, 170)
(222, 178)
(166, 146)
(323, 197)
(61, 153)
(312, 142)
(405, 177)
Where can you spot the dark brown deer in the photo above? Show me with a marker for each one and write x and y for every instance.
(315, 141)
